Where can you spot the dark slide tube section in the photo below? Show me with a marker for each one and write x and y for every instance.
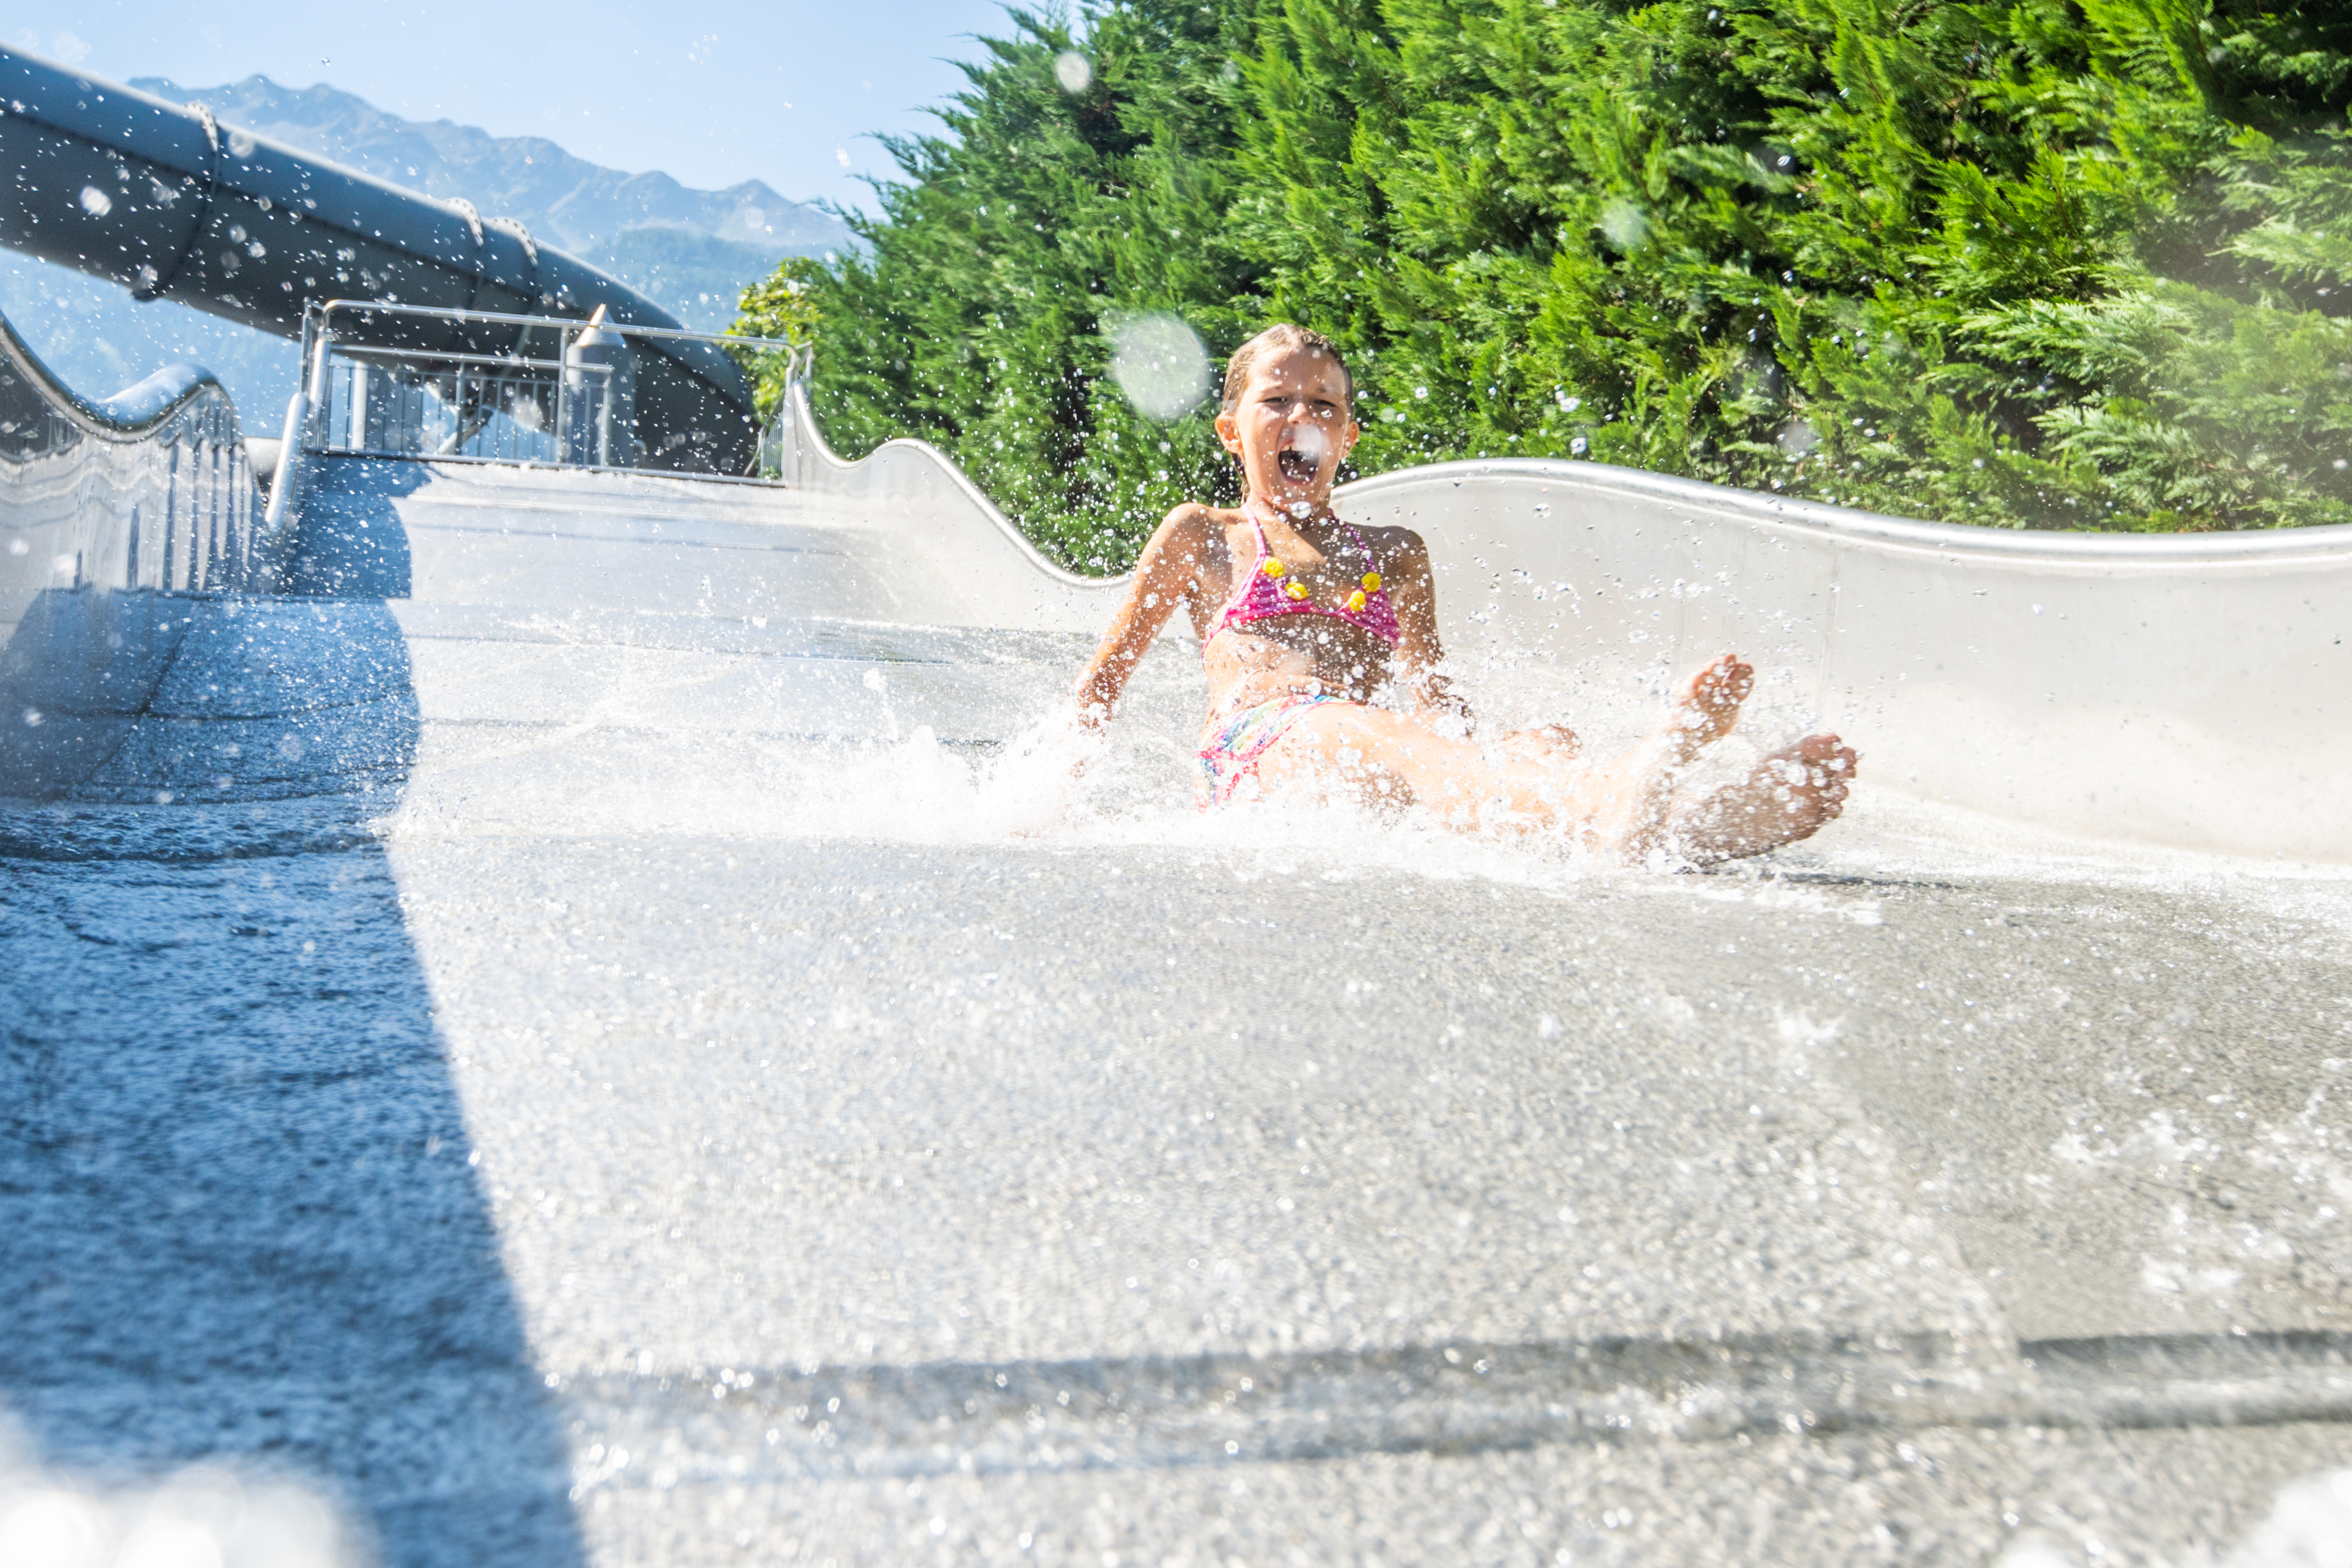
(168, 203)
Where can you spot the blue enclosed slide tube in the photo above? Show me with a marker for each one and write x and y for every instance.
(168, 201)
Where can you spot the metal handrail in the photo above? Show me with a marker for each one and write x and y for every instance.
(395, 356)
(155, 483)
(560, 380)
(131, 415)
(560, 323)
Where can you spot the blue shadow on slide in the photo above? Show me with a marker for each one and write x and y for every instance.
(243, 1221)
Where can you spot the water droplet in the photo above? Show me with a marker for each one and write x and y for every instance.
(1625, 225)
(169, 1543)
(1161, 365)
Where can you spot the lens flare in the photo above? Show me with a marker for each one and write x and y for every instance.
(1159, 365)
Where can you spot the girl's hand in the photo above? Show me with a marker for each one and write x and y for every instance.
(1544, 743)
(1031, 786)
(1437, 697)
(1079, 740)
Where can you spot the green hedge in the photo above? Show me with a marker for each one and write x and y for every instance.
(2027, 263)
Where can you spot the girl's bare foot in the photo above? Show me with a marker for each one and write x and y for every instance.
(1707, 708)
(1704, 712)
(1791, 795)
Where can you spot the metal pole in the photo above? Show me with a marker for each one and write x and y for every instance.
(605, 417)
(321, 348)
(562, 394)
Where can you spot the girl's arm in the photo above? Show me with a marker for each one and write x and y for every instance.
(1168, 572)
(1412, 591)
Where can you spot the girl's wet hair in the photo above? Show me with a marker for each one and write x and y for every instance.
(1281, 335)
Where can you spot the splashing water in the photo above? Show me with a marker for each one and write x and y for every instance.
(956, 743)
(203, 1517)
(2310, 1526)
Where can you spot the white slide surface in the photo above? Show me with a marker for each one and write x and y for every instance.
(2192, 690)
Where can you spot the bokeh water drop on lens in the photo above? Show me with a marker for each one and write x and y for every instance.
(1161, 365)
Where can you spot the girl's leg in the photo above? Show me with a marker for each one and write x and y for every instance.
(1387, 761)
(1544, 743)
(1383, 758)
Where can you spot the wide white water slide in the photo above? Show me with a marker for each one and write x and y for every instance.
(550, 1003)
(2193, 690)
(2186, 690)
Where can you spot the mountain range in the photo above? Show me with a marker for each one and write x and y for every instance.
(575, 205)
(691, 250)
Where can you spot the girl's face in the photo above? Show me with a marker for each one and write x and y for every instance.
(1291, 428)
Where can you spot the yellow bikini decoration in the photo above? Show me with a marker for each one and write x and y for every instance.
(1277, 570)
(1298, 590)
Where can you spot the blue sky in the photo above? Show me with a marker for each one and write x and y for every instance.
(710, 93)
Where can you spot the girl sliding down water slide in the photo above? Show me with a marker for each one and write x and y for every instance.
(1305, 621)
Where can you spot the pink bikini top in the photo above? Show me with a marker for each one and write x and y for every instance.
(1271, 590)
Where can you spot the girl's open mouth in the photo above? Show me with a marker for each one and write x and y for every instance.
(1301, 456)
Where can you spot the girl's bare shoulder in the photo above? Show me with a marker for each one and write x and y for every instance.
(1199, 520)
(1195, 531)
(1396, 544)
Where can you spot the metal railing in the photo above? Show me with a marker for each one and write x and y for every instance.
(782, 442)
(483, 408)
(150, 489)
(484, 387)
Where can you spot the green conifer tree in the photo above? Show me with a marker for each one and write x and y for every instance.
(2046, 263)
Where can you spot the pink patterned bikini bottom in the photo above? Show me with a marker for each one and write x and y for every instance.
(1230, 748)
